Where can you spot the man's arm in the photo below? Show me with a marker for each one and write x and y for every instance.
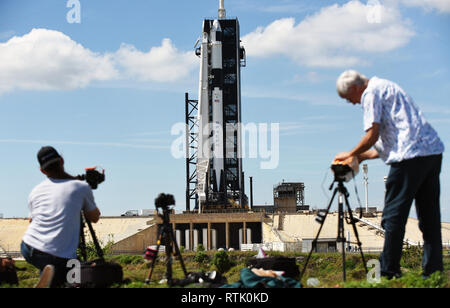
(362, 150)
(371, 154)
(92, 216)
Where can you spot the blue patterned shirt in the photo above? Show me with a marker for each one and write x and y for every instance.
(404, 132)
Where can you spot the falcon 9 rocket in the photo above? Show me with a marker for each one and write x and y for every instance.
(220, 179)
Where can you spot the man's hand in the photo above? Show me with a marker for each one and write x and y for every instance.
(342, 156)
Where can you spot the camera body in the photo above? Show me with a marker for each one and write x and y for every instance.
(344, 171)
(164, 201)
(93, 176)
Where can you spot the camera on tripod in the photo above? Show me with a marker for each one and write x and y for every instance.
(343, 171)
(93, 176)
(165, 237)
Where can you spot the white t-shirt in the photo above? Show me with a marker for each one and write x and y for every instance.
(55, 207)
(404, 132)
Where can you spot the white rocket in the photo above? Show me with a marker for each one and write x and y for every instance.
(211, 134)
(219, 167)
(217, 103)
(203, 151)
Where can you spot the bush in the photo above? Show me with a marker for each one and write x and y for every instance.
(412, 257)
(91, 252)
(201, 257)
(222, 262)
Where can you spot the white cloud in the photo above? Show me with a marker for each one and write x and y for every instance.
(47, 60)
(442, 6)
(336, 36)
(50, 60)
(161, 64)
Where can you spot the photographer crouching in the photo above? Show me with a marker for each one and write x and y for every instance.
(52, 237)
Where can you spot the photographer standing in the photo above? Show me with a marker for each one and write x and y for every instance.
(55, 210)
(403, 139)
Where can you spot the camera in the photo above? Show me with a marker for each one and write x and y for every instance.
(345, 170)
(163, 201)
(93, 176)
(342, 172)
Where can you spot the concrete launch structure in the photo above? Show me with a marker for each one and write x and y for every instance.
(219, 173)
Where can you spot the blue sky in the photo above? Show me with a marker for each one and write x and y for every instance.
(107, 91)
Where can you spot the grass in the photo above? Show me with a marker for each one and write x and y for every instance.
(326, 268)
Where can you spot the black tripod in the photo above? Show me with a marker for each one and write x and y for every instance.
(82, 244)
(342, 194)
(166, 234)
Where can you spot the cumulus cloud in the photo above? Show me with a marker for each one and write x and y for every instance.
(47, 60)
(164, 63)
(442, 6)
(336, 36)
(50, 60)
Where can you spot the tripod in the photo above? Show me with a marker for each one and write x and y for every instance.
(342, 194)
(82, 244)
(166, 235)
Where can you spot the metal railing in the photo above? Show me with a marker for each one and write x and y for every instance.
(380, 229)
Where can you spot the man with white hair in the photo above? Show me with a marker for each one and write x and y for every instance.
(403, 139)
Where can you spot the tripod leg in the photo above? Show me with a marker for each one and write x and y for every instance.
(355, 231)
(149, 276)
(341, 232)
(169, 251)
(318, 234)
(82, 243)
(178, 253)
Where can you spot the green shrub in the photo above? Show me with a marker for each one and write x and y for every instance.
(412, 257)
(91, 252)
(222, 261)
(201, 257)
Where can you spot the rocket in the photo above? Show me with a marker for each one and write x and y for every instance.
(219, 167)
(211, 134)
(217, 105)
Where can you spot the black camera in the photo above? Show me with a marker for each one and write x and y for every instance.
(342, 172)
(93, 176)
(164, 201)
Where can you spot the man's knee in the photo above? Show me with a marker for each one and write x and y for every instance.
(394, 225)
